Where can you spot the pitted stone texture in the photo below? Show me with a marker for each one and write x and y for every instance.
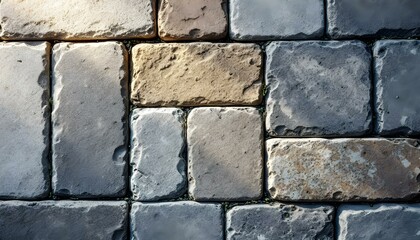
(89, 119)
(278, 221)
(397, 81)
(158, 154)
(64, 220)
(214, 74)
(343, 169)
(276, 19)
(311, 85)
(176, 221)
(192, 20)
(381, 221)
(24, 120)
(76, 20)
(390, 18)
(225, 154)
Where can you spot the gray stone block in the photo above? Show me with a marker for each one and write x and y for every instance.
(176, 221)
(89, 119)
(158, 154)
(64, 220)
(397, 81)
(390, 18)
(225, 154)
(381, 221)
(276, 19)
(279, 221)
(24, 120)
(318, 88)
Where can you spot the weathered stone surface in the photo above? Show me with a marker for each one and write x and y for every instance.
(64, 220)
(24, 120)
(89, 119)
(343, 169)
(397, 86)
(214, 74)
(278, 221)
(225, 154)
(382, 221)
(349, 18)
(311, 85)
(158, 153)
(274, 19)
(77, 20)
(176, 221)
(192, 20)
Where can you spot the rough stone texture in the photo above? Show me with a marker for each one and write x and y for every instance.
(343, 169)
(176, 221)
(158, 153)
(89, 119)
(76, 20)
(274, 19)
(382, 221)
(214, 74)
(311, 85)
(349, 18)
(63, 220)
(397, 81)
(225, 154)
(24, 120)
(278, 221)
(192, 20)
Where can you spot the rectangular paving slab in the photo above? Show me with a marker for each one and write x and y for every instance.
(343, 169)
(90, 131)
(77, 20)
(24, 119)
(64, 220)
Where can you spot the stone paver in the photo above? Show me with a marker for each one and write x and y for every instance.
(349, 18)
(176, 221)
(158, 153)
(214, 74)
(276, 19)
(343, 169)
(381, 221)
(318, 88)
(24, 120)
(225, 154)
(397, 81)
(76, 20)
(278, 221)
(89, 119)
(192, 20)
(64, 220)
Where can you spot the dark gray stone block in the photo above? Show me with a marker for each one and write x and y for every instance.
(318, 88)
(397, 81)
(64, 220)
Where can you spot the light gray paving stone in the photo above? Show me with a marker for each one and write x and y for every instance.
(89, 118)
(64, 220)
(276, 19)
(343, 169)
(24, 119)
(381, 221)
(279, 221)
(225, 154)
(176, 221)
(158, 153)
(77, 20)
(318, 88)
(397, 82)
(390, 18)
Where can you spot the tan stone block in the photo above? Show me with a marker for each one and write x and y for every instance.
(196, 74)
(192, 19)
